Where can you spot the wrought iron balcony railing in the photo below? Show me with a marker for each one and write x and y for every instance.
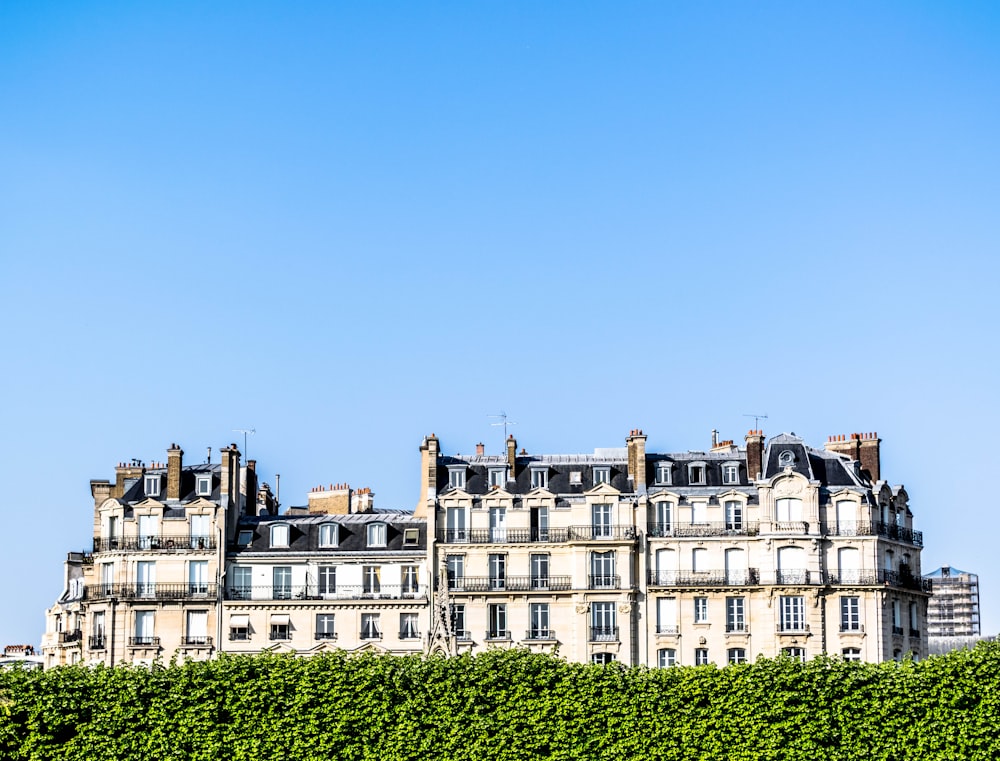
(326, 635)
(725, 528)
(604, 581)
(96, 642)
(140, 591)
(792, 627)
(72, 636)
(790, 527)
(510, 584)
(315, 592)
(897, 631)
(197, 641)
(542, 634)
(737, 628)
(502, 535)
(158, 543)
(716, 578)
(498, 634)
(143, 641)
(603, 633)
(876, 528)
(601, 533)
(668, 630)
(852, 628)
(792, 576)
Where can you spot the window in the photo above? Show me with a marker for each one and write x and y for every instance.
(411, 537)
(851, 653)
(408, 628)
(200, 531)
(114, 533)
(497, 564)
(699, 513)
(245, 538)
(734, 515)
(666, 615)
(890, 560)
(575, 478)
(107, 578)
(897, 618)
(328, 535)
(97, 623)
(539, 565)
(798, 653)
(663, 473)
(281, 587)
(456, 570)
(602, 659)
(792, 610)
(539, 524)
(371, 579)
(850, 614)
(281, 627)
(197, 628)
(701, 610)
(456, 477)
(600, 516)
(239, 628)
(455, 523)
(736, 655)
(203, 486)
(498, 477)
(914, 618)
(539, 616)
(602, 474)
(325, 626)
(539, 478)
(696, 474)
(144, 621)
(327, 575)
(602, 570)
(701, 656)
(279, 535)
(603, 622)
(370, 627)
(735, 614)
(242, 582)
(458, 622)
(663, 519)
(666, 656)
(198, 577)
(149, 532)
(409, 580)
(145, 578)
(699, 560)
(788, 509)
(153, 486)
(730, 473)
(497, 622)
(498, 524)
(376, 534)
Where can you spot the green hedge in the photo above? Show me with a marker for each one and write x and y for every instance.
(504, 705)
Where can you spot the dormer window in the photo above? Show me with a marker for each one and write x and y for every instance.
(786, 459)
(411, 537)
(498, 477)
(376, 534)
(575, 478)
(279, 535)
(602, 474)
(539, 478)
(203, 485)
(328, 535)
(663, 473)
(245, 538)
(731, 473)
(153, 486)
(696, 474)
(456, 477)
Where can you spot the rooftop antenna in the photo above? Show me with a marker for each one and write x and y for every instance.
(756, 418)
(505, 422)
(245, 431)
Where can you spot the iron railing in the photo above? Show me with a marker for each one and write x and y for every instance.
(502, 535)
(74, 636)
(498, 634)
(603, 633)
(509, 583)
(790, 527)
(143, 641)
(197, 641)
(604, 581)
(314, 592)
(158, 543)
(876, 528)
(668, 629)
(788, 627)
(716, 578)
(725, 528)
(96, 642)
(600, 533)
(140, 591)
(545, 634)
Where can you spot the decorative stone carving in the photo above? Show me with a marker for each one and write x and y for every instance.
(624, 608)
(788, 487)
(582, 607)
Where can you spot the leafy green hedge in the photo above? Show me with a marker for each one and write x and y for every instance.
(504, 705)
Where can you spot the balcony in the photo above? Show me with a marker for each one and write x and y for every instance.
(914, 633)
(547, 635)
(74, 636)
(740, 578)
(239, 634)
(897, 631)
(876, 528)
(96, 642)
(498, 634)
(668, 630)
(849, 578)
(503, 535)
(196, 641)
(736, 628)
(790, 527)
(604, 581)
(151, 591)
(793, 576)
(792, 627)
(852, 629)
(603, 633)
(510, 584)
(314, 592)
(143, 641)
(463, 635)
(600, 533)
(730, 528)
(159, 543)
(326, 635)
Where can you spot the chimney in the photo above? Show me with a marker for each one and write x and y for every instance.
(429, 450)
(125, 475)
(847, 445)
(755, 454)
(511, 455)
(362, 501)
(335, 500)
(175, 459)
(715, 438)
(870, 457)
(636, 447)
(480, 449)
(265, 500)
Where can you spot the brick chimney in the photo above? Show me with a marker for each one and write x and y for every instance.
(335, 500)
(511, 455)
(755, 454)
(429, 450)
(362, 500)
(636, 447)
(871, 460)
(847, 445)
(125, 472)
(175, 459)
(480, 449)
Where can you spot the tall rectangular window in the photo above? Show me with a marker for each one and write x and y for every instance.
(603, 622)
(539, 616)
(602, 570)
(197, 628)
(241, 587)
(144, 620)
(279, 535)
(699, 512)
(498, 524)
(663, 474)
(666, 615)
(735, 614)
(539, 478)
(730, 474)
(455, 525)
(198, 577)
(850, 614)
(376, 535)
(539, 571)
(666, 656)
(107, 578)
(149, 532)
(601, 521)
(327, 576)
(539, 524)
(408, 628)
(145, 578)
(200, 531)
(734, 515)
(701, 610)
(458, 626)
(792, 610)
(328, 535)
(281, 586)
(371, 579)
(455, 565)
(456, 478)
(701, 656)
(498, 570)
(497, 622)
(663, 519)
(370, 626)
(409, 580)
(325, 626)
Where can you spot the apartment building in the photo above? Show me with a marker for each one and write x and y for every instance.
(716, 556)
(953, 610)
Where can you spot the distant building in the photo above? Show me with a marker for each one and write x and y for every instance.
(20, 656)
(953, 611)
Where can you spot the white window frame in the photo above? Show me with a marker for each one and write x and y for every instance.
(377, 534)
(371, 579)
(498, 477)
(792, 609)
(329, 535)
(279, 535)
(602, 474)
(540, 478)
(326, 580)
(497, 621)
(701, 610)
(409, 626)
(411, 537)
(456, 476)
(730, 473)
(697, 469)
(203, 485)
(851, 654)
(326, 626)
(736, 655)
(666, 657)
(850, 613)
(540, 621)
(701, 656)
(575, 478)
(152, 484)
(371, 626)
(736, 620)
(733, 515)
(663, 473)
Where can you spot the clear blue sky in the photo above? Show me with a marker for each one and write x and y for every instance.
(348, 225)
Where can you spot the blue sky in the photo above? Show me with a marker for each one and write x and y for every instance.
(348, 225)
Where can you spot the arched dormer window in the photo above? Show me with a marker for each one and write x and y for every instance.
(329, 535)
(376, 534)
(279, 535)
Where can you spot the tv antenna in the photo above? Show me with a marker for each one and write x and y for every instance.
(245, 431)
(504, 422)
(755, 419)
